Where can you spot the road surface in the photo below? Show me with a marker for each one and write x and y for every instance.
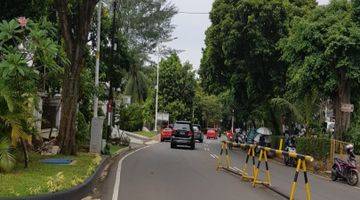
(160, 173)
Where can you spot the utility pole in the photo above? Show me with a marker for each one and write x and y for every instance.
(96, 99)
(97, 122)
(157, 91)
(111, 96)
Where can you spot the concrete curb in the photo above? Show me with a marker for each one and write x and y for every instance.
(74, 193)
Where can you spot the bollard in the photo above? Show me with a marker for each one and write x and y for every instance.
(245, 174)
(301, 166)
(224, 147)
(263, 155)
(281, 143)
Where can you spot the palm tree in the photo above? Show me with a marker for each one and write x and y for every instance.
(136, 85)
(7, 160)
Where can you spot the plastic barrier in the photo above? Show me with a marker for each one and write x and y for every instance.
(301, 165)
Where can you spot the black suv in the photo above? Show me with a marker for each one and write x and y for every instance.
(183, 134)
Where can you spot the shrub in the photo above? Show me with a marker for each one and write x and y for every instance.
(275, 141)
(7, 160)
(319, 148)
(130, 118)
(83, 130)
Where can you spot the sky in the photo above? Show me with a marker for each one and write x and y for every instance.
(190, 28)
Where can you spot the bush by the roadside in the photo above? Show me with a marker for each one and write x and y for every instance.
(319, 148)
(130, 117)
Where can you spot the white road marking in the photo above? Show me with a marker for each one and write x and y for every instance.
(213, 156)
(118, 173)
(237, 169)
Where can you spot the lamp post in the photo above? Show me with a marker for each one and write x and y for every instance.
(96, 99)
(157, 90)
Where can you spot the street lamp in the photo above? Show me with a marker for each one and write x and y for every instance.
(157, 90)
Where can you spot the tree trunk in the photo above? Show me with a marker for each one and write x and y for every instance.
(25, 152)
(342, 96)
(70, 94)
(74, 26)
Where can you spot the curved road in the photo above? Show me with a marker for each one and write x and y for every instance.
(161, 173)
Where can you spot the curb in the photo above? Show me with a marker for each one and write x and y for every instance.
(74, 193)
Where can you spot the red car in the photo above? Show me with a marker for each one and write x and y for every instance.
(166, 134)
(211, 133)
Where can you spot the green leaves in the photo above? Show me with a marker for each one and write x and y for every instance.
(8, 30)
(176, 88)
(7, 160)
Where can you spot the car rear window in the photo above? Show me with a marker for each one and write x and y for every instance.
(182, 127)
(167, 129)
(196, 128)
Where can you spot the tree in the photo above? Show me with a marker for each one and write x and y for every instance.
(25, 48)
(323, 52)
(208, 109)
(145, 23)
(74, 18)
(176, 88)
(33, 9)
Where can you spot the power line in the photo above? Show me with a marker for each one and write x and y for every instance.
(193, 13)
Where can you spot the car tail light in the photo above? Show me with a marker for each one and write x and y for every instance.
(189, 133)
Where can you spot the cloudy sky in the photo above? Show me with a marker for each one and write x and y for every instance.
(190, 28)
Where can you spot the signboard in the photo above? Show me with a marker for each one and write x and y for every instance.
(163, 116)
(347, 107)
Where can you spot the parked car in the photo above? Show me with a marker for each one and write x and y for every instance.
(183, 134)
(198, 134)
(211, 133)
(165, 134)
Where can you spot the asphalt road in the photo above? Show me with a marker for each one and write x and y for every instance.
(161, 173)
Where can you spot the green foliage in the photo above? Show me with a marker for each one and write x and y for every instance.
(145, 23)
(7, 160)
(176, 88)
(321, 44)
(208, 109)
(319, 148)
(42, 178)
(242, 54)
(83, 130)
(130, 118)
(34, 9)
(23, 52)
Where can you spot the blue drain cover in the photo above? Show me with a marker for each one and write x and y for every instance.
(57, 161)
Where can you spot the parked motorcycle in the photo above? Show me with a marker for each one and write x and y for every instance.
(240, 136)
(291, 148)
(346, 169)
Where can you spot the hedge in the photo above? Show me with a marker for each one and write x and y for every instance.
(319, 148)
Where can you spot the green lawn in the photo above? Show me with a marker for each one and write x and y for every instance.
(43, 178)
(148, 134)
(115, 148)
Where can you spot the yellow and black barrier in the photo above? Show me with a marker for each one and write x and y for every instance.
(301, 165)
(226, 156)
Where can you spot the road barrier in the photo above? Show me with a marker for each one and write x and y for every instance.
(301, 165)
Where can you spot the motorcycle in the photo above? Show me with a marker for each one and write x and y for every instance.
(291, 148)
(346, 169)
(240, 136)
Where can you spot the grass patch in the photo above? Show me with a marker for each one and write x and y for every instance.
(148, 134)
(115, 148)
(45, 178)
